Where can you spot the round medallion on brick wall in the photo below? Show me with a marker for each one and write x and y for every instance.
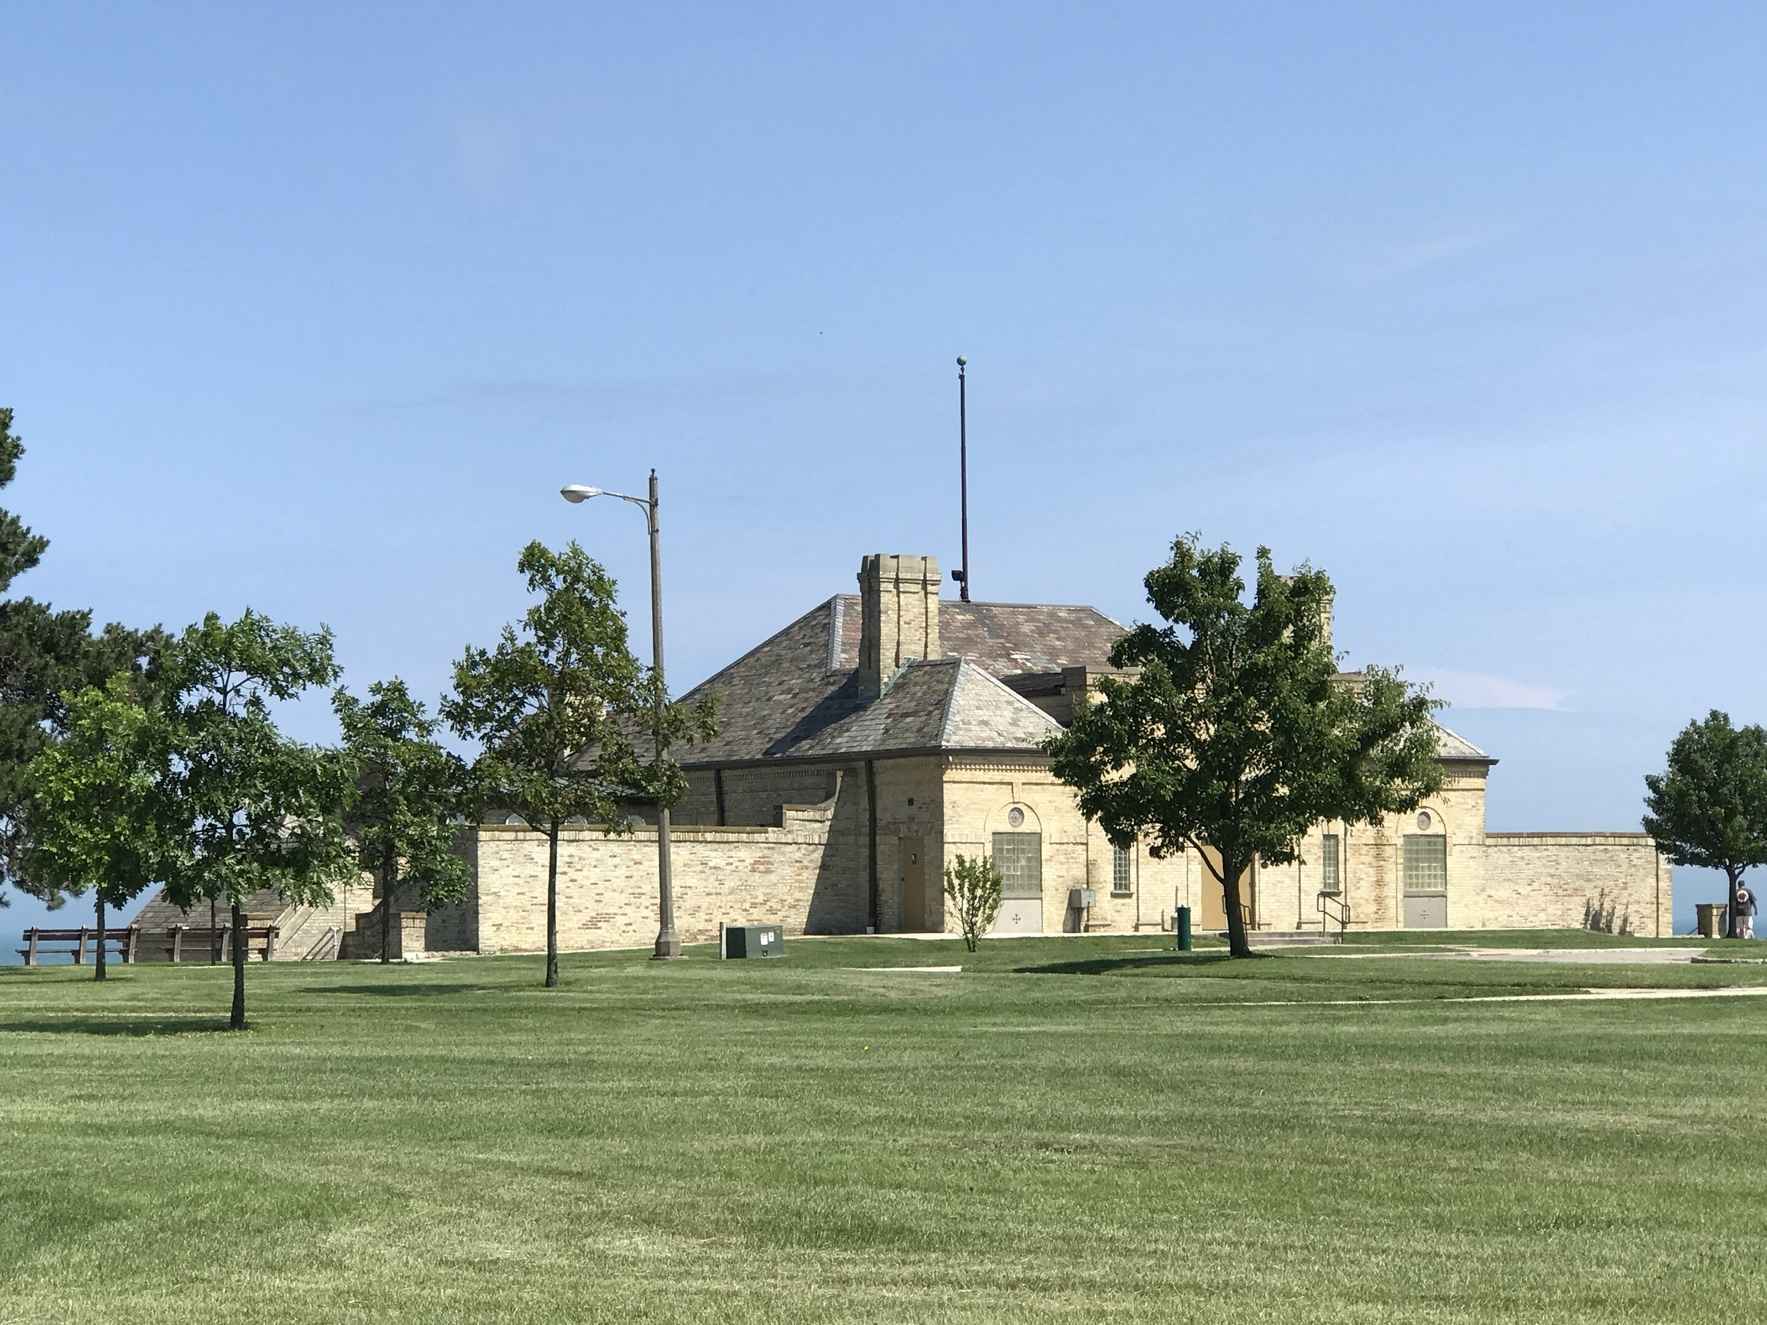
(1015, 817)
(1424, 820)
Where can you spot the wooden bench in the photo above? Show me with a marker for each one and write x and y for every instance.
(127, 943)
(186, 940)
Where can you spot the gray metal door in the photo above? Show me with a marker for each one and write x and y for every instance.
(1424, 873)
(1423, 911)
(1019, 857)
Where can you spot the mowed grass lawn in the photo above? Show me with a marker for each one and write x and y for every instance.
(1037, 1138)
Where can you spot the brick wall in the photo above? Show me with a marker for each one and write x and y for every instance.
(807, 866)
(795, 875)
(756, 796)
(1373, 857)
(979, 793)
(1547, 880)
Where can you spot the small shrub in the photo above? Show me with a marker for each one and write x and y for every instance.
(972, 887)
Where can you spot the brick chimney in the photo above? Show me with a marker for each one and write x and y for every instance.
(898, 614)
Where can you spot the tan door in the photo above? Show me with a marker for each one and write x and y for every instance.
(912, 856)
(1214, 896)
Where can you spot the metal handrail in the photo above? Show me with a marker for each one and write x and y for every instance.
(328, 941)
(1332, 907)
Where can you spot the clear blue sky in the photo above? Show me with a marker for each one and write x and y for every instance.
(314, 309)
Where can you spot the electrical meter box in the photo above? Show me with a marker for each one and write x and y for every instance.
(1082, 899)
(754, 941)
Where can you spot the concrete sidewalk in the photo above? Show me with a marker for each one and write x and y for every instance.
(1560, 956)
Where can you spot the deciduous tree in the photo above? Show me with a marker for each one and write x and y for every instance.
(409, 794)
(45, 655)
(1235, 732)
(557, 707)
(104, 811)
(1708, 807)
(264, 810)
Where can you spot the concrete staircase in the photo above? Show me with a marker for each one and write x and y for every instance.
(1287, 938)
(362, 940)
(324, 933)
(310, 936)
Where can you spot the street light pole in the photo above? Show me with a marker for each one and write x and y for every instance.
(668, 942)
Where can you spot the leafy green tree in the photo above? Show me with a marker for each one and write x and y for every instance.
(1708, 808)
(409, 792)
(104, 812)
(556, 708)
(974, 886)
(45, 655)
(265, 811)
(1234, 733)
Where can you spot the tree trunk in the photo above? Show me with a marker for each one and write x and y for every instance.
(1732, 921)
(552, 908)
(236, 1022)
(214, 938)
(98, 972)
(1237, 946)
(389, 880)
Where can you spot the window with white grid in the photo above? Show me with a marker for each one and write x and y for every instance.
(1019, 858)
(1425, 863)
(1329, 874)
(1122, 871)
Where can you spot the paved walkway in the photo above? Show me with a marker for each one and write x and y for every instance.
(1580, 996)
(1572, 956)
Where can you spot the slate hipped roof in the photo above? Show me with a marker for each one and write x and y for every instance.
(1452, 745)
(947, 704)
(796, 695)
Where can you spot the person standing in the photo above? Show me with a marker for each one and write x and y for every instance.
(1745, 913)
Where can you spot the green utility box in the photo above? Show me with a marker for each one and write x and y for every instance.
(754, 941)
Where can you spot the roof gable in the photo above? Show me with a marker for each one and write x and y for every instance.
(1452, 745)
(986, 714)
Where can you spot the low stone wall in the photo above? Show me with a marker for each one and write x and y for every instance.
(798, 875)
(1551, 880)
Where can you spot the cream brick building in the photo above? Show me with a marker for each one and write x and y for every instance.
(881, 733)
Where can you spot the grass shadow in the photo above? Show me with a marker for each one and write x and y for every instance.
(401, 991)
(1109, 965)
(127, 1026)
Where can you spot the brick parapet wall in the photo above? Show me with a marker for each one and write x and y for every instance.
(798, 875)
(1548, 880)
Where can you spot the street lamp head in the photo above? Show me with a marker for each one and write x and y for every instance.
(578, 492)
